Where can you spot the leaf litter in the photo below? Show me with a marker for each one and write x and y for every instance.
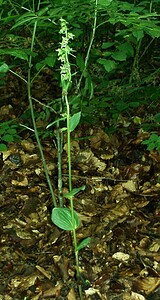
(119, 210)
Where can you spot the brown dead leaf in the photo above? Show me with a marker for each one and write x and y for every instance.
(121, 256)
(28, 145)
(92, 291)
(23, 181)
(133, 296)
(7, 297)
(53, 292)
(130, 186)
(6, 112)
(37, 297)
(148, 284)
(155, 246)
(29, 159)
(23, 283)
(107, 156)
(71, 295)
(75, 147)
(87, 161)
(44, 272)
(99, 137)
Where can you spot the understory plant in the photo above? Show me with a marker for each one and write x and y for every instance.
(8, 133)
(63, 217)
(153, 143)
(112, 40)
(67, 218)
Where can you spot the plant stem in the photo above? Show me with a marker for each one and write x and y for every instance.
(90, 46)
(59, 136)
(66, 80)
(16, 11)
(32, 113)
(71, 198)
(135, 62)
(19, 76)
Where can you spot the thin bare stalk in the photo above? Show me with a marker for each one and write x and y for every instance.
(71, 198)
(32, 113)
(90, 46)
(59, 136)
(135, 62)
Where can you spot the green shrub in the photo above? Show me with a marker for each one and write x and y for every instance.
(153, 143)
(8, 133)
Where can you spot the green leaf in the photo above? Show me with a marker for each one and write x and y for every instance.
(80, 62)
(25, 18)
(4, 68)
(5, 126)
(3, 147)
(61, 119)
(107, 45)
(83, 243)
(138, 34)
(62, 218)
(42, 11)
(11, 131)
(154, 137)
(2, 82)
(7, 138)
(77, 32)
(2, 130)
(74, 121)
(108, 64)
(151, 146)
(153, 31)
(74, 192)
(146, 142)
(120, 56)
(107, 53)
(40, 65)
(15, 52)
(127, 6)
(126, 48)
(64, 128)
(134, 104)
(158, 144)
(104, 2)
(157, 118)
(153, 142)
(50, 60)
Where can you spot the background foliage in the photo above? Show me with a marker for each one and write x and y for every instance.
(122, 72)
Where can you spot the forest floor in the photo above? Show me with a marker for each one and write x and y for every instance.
(119, 209)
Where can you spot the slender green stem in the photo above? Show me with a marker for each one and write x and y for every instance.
(16, 11)
(90, 46)
(59, 136)
(145, 50)
(39, 71)
(71, 199)
(32, 112)
(19, 76)
(69, 144)
(135, 62)
(150, 6)
(63, 54)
